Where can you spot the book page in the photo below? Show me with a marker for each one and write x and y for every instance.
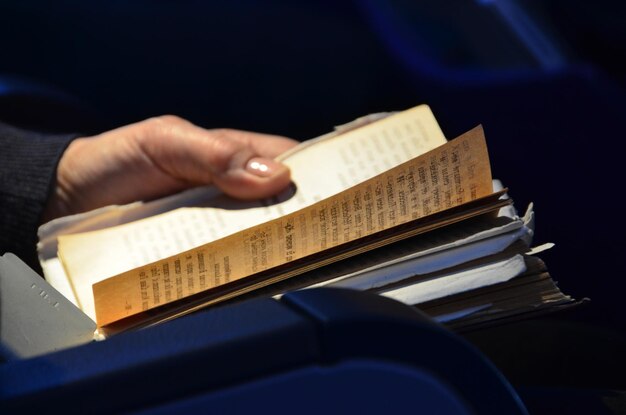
(115, 215)
(448, 176)
(422, 263)
(318, 170)
(454, 283)
(436, 250)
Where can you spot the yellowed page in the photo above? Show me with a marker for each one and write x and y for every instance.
(319, 170)
(448, 176)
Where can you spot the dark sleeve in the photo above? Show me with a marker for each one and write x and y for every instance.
(28, 163)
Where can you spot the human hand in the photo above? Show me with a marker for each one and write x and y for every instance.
(161, 156)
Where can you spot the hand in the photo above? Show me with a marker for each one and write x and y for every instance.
(162, 156)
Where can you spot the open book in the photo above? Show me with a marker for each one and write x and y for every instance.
(384, 203)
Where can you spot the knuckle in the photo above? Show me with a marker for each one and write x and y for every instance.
(232, 136)
(224, 133)
(225, 149)
(164, 124)
(170, 119)
(165, 121)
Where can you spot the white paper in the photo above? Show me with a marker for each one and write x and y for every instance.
(459, 282)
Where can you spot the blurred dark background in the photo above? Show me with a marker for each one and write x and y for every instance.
(546, 80)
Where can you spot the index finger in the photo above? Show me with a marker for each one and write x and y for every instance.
(265, 145)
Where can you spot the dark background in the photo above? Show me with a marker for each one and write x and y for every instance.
(546, 80)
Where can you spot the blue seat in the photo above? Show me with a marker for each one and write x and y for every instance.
(314, 351)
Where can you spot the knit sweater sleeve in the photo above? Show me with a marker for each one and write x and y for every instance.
(28, 163)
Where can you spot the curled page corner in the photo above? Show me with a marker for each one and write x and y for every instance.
(540, 248)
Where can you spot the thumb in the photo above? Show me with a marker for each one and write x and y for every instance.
(240, 163)
(252, 178)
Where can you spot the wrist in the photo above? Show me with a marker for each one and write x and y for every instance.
(61, 201)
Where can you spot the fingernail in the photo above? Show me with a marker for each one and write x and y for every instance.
(263, 167)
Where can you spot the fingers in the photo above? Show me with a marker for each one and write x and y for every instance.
(265, 145)
(238, 162)
(161, 156)
(268, 145)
